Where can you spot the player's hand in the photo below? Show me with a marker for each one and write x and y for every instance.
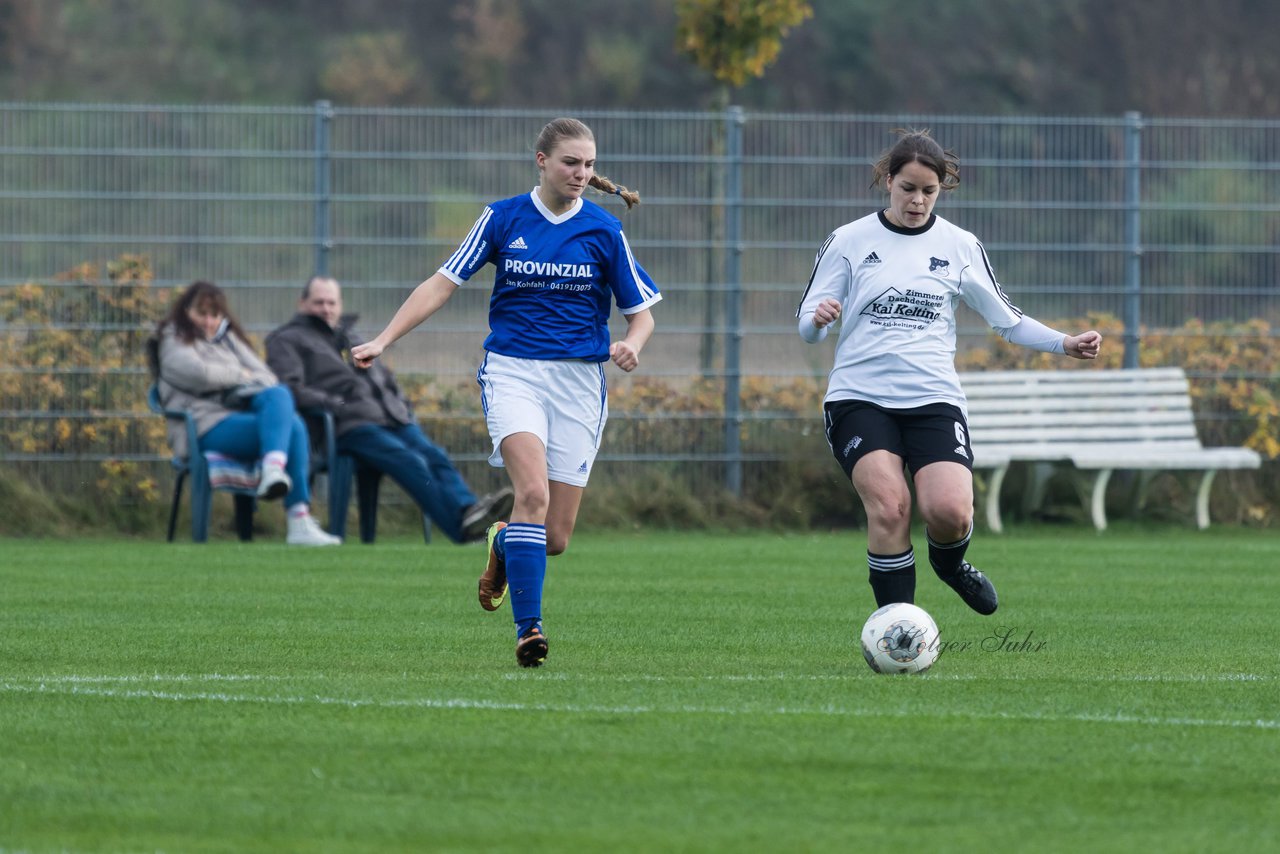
(364, 354)
(624, 355)
(1083, 346)
(828, 312)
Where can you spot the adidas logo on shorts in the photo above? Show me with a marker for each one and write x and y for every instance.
(582, 469)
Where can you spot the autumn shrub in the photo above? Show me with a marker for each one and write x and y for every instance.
(73, 384)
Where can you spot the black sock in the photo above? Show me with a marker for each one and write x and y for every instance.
(893, 577)
(945, 558)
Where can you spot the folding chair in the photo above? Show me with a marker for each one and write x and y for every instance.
(341, 469)
(196, 467)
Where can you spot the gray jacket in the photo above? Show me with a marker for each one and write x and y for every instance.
(193, 377)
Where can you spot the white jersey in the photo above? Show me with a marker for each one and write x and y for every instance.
(898, 289)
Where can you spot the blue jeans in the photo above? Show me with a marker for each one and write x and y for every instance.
(270, 424)
(421, 468)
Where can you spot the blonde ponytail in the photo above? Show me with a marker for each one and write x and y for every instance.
(604, 185)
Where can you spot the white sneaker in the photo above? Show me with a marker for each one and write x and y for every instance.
(275, 483)
(306, 531)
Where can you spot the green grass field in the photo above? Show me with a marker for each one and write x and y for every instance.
(704, 692)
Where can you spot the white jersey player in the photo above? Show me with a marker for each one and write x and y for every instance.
(562, 263)
(894, 279)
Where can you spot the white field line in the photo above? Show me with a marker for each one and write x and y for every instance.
(929, 677)
(161, 678)
(73, 679)
(81, 689)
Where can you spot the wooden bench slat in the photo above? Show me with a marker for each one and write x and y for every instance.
(1134, 403)
(1049, 389)
(1106, 419)
(1165, 458)
(1073, 435)
(1082, 375)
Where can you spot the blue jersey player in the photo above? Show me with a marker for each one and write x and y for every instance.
(562, 261)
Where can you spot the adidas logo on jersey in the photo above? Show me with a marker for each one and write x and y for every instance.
(518, 243)
(873, 258)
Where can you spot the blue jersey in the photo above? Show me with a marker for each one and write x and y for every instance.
(555, 277)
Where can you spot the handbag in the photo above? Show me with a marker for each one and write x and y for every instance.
(241, 396)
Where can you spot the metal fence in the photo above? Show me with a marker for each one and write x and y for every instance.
(1152, 221)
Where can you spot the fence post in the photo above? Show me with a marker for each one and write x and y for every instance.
(324, 175)
(1133, 238)
(734, 120)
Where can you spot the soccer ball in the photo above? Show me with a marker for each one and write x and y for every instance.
(900, 638)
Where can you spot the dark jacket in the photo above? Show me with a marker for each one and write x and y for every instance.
(315, 362)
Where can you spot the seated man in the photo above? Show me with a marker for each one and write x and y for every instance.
(371, 416)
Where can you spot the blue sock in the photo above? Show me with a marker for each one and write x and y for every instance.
(500, 545)
(525, 548)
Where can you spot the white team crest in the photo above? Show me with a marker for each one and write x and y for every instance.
(518, 243)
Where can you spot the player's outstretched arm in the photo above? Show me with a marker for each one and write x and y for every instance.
(1083, 346)
(1030, 332)
(425, 301)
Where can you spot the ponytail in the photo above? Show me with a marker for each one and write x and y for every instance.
(604, 185)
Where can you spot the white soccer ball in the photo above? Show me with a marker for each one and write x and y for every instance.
(900, 638)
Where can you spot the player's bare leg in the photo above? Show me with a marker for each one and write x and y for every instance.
(944, 491)
(562, 515)
(878, 477)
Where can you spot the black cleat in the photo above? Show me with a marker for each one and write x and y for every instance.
(974, 588)
(494, 507)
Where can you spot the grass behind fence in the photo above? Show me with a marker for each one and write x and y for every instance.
(703, 693)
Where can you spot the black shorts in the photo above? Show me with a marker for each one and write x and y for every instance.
(923, 435)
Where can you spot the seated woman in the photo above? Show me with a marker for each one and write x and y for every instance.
(206, 363)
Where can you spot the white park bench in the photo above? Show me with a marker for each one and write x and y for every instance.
(1095, 421)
